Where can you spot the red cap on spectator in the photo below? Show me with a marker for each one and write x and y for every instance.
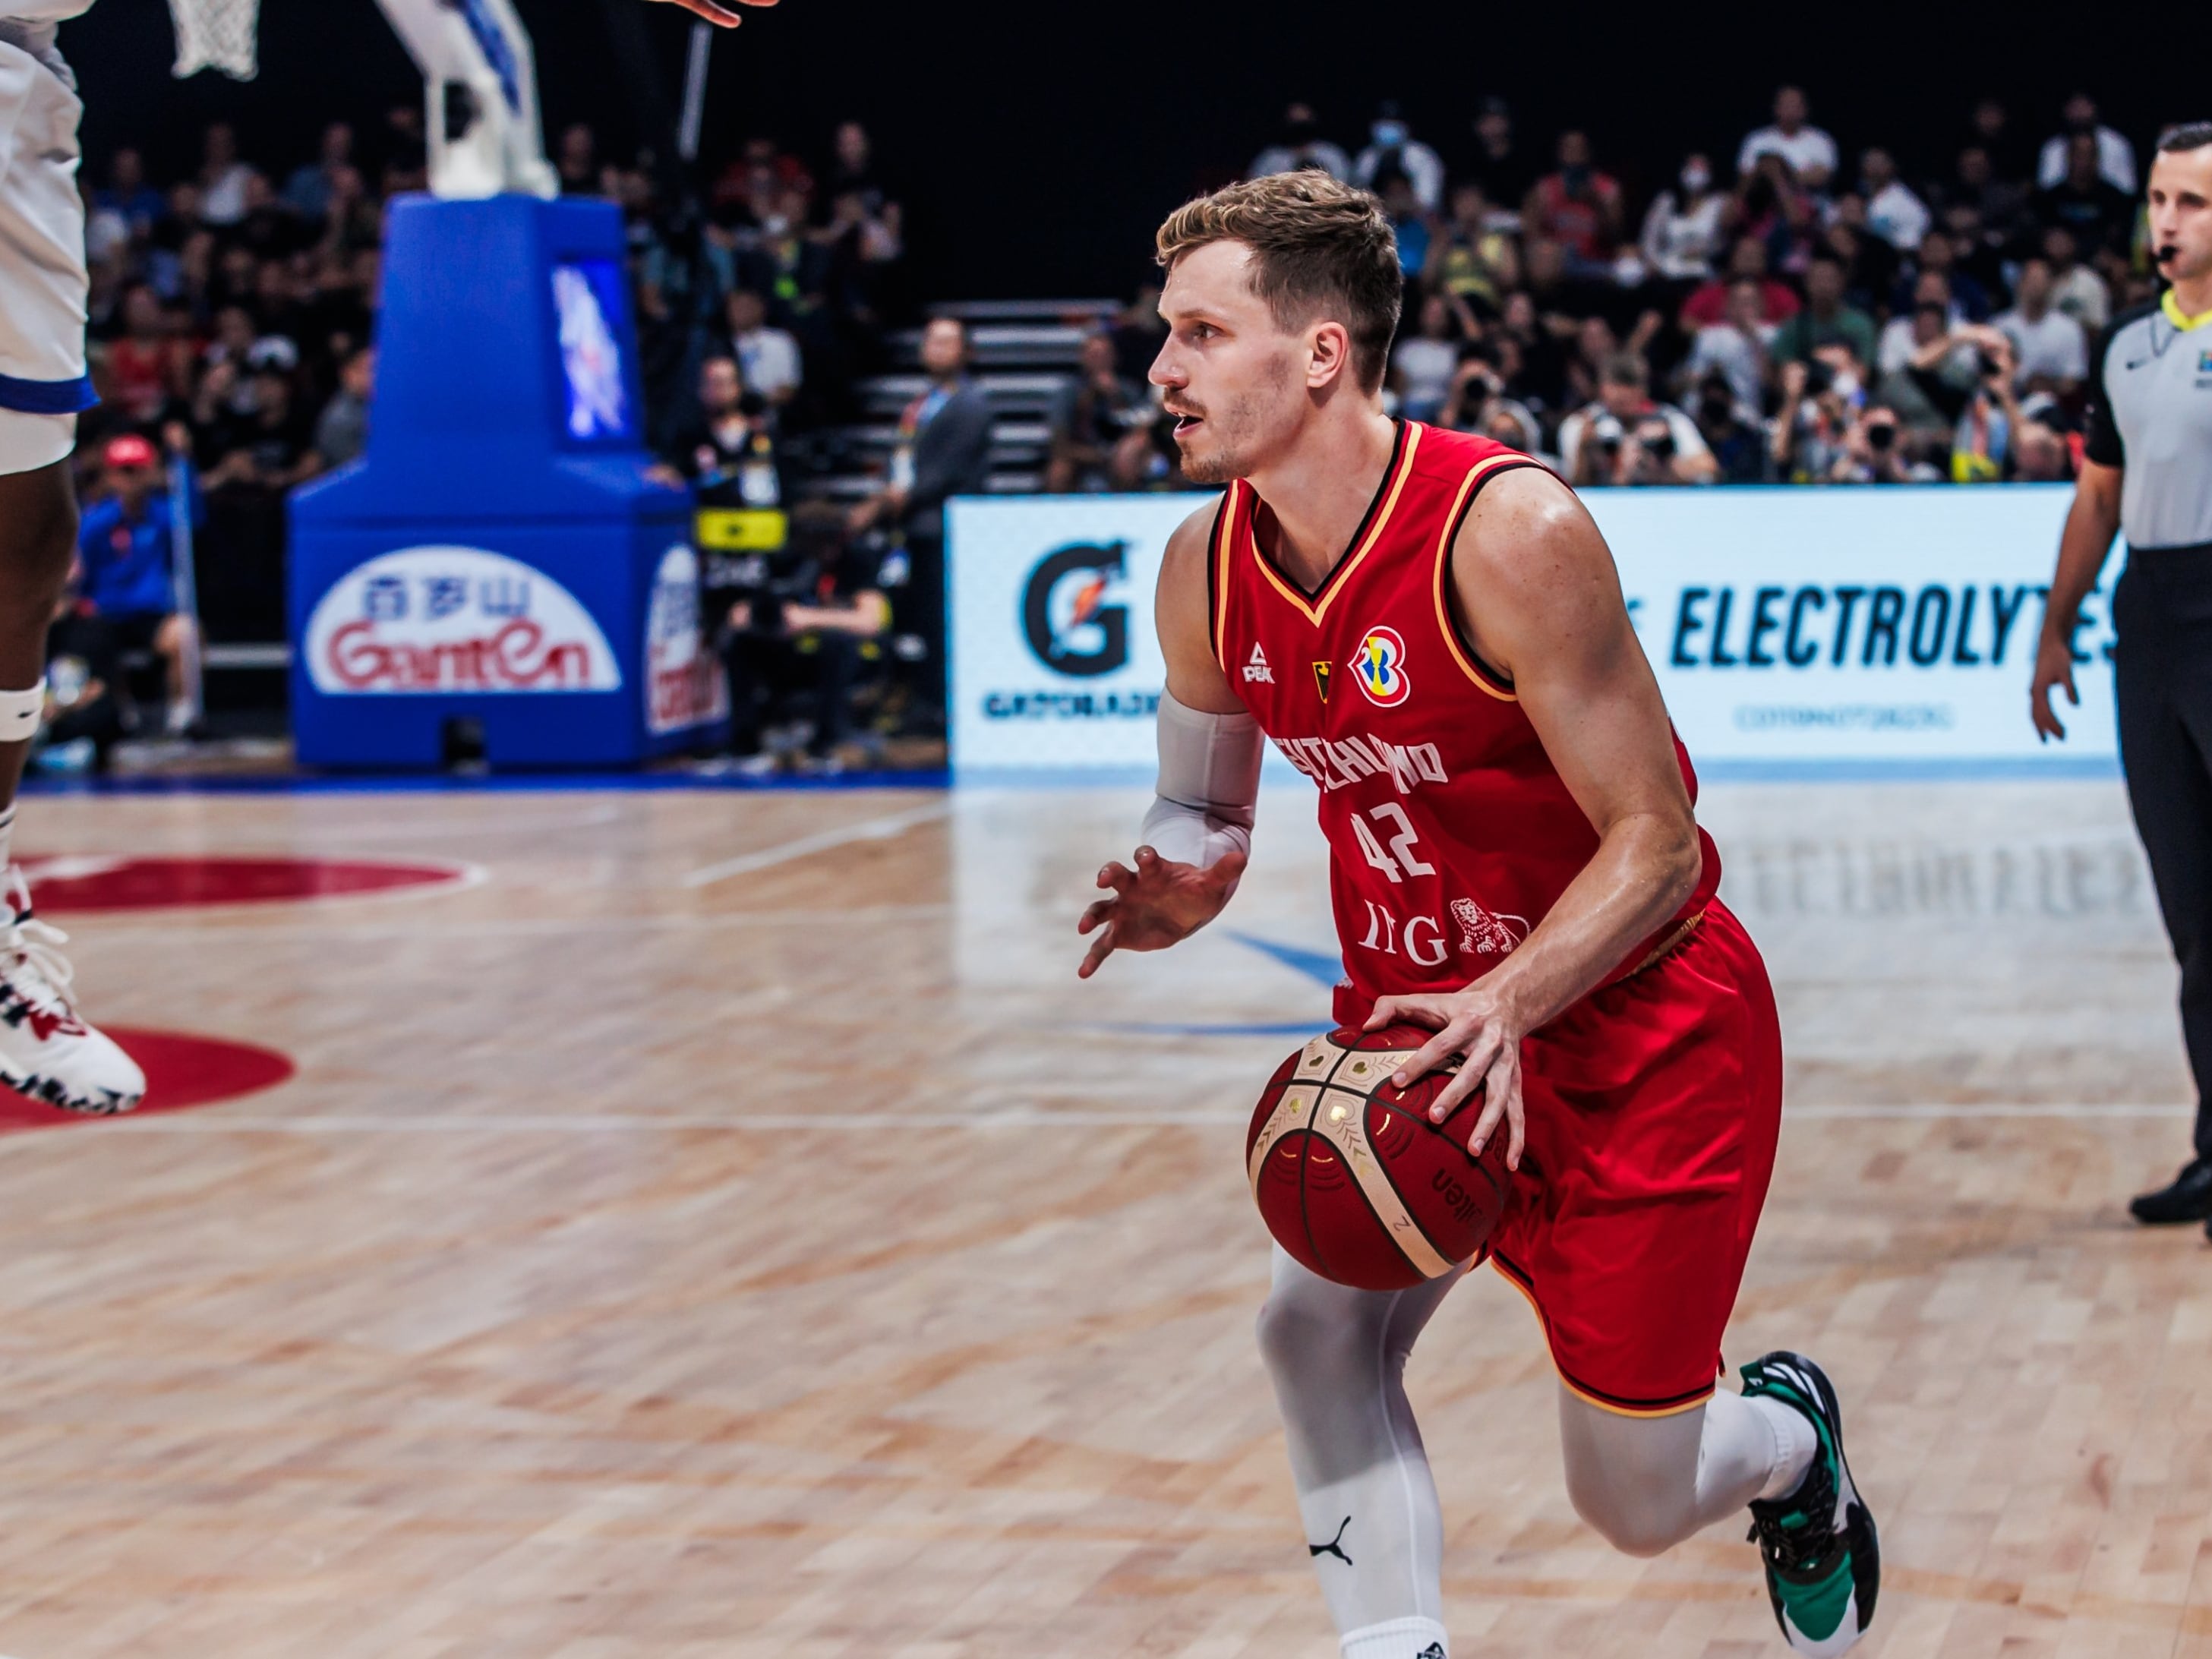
(128, 451)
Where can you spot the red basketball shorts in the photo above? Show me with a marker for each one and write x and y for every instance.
(1653, 1107)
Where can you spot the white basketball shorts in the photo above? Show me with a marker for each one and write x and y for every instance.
(43, 383)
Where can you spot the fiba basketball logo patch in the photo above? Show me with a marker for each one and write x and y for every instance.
(1379, 666)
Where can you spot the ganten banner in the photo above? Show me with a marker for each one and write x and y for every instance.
(1787, 625)
(444, 619)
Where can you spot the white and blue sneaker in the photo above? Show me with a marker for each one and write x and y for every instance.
(1823, 1562)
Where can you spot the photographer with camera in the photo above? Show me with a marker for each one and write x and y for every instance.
(1875, 451)
(1627, 437)
(1985, 413)
(803, 631)
(1820, 398)
(1478, 403)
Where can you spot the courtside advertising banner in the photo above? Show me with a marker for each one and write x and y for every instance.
(1788, 626)
(1055, 662)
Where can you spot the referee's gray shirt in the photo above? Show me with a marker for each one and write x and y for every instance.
(2151, 412)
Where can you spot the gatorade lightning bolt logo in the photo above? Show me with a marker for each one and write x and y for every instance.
(1379, 666)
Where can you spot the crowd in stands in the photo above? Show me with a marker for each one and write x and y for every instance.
(231, 308)
(232, 317)
(1787, 313)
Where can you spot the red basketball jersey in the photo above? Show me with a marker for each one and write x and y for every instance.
(1450, 833)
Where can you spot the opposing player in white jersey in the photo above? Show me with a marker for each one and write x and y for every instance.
(47, 1051)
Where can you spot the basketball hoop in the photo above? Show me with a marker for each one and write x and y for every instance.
(217, 34)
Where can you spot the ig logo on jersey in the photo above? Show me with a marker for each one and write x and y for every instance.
(1379, 666)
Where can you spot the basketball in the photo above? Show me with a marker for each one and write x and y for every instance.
(1354, 1179)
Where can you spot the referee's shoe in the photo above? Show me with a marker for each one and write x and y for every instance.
(2187, 1198)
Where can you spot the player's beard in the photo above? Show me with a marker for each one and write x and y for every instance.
(1230, 437)
(1225, 447)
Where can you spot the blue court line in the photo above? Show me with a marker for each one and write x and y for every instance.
(1321, 966)
(1324, 968)
(412, 783)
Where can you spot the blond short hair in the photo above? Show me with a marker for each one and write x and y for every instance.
(1319, 248)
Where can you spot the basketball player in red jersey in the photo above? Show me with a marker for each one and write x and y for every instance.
(1430, 627)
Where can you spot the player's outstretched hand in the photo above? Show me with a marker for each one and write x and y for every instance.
(2054, 667)
(1155, 904)
(1470, 1024)
(721, 15)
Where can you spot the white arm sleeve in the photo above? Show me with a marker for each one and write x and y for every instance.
(1209, 782)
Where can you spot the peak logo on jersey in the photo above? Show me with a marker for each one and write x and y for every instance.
(1380, 666)
(1066, 615)
(1257, 669)
(1321, 679)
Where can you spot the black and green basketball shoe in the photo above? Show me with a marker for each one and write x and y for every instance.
(1823, 1564)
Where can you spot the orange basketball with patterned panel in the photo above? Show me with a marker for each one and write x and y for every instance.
(1354, 1179)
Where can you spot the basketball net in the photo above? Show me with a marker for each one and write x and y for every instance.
(217, 34)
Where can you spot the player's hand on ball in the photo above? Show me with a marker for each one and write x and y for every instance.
(1155, 904)
(721, 16)
(1474, 1026)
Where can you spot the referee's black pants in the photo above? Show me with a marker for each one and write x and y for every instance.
(2162, 619)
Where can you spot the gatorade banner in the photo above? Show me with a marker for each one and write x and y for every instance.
(1796, 626)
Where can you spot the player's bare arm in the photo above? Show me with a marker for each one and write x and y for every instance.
(2083, 545)
(721, 16)
(1161, 900)
(1537, 584)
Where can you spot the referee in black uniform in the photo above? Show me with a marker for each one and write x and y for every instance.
(2149, 472)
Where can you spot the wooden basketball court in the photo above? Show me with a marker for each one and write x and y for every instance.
(718, 1224)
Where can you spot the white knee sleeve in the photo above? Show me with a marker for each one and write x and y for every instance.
(1647, 1483)
(1373, 1529)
